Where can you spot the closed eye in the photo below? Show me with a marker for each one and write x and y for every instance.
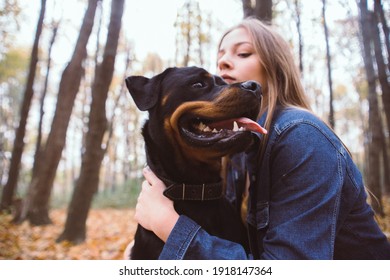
(199, 85)
(244, 55)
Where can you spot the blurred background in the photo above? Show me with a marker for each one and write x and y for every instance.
(71, 152)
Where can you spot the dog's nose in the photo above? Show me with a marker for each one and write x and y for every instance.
(252, 86)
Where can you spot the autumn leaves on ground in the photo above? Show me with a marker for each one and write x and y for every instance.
(108, 233)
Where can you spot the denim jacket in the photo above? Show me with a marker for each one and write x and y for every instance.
(314, 207)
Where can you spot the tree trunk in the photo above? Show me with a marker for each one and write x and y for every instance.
(262, 9)
(378, 8)
(297, 4)
(36, 204)
(87, 184)
(188, 28)
(247, 8)
(382, 70)
(386, 166)
(43, 96)
(11, 185)
(374, 130)
(329, 66)
(382, 77)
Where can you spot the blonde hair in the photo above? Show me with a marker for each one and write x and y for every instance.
(284, 86)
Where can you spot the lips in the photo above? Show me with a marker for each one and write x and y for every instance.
(228, 79)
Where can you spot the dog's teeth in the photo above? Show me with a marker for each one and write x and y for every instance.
(201, 126)
(235, 126)
(204, 128)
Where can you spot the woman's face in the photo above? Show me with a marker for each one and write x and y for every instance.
(237, 59)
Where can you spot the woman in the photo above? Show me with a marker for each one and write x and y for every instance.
(306, 198)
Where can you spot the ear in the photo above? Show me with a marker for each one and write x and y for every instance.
(145, 91)
(142, 91)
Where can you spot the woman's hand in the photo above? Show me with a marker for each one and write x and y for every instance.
(154, 211)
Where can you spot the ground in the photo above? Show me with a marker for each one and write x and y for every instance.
(109, 231)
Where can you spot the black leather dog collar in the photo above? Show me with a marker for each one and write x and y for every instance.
(203, 192)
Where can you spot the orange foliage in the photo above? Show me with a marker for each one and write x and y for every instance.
(108, 233)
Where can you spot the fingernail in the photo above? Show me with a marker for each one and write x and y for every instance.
(146, 169)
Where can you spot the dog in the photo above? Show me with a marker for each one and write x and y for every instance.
(195, 119)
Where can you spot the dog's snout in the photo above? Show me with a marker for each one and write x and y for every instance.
(253, 87)
(250, 85)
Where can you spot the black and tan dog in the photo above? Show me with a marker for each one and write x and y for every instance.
(195, 119)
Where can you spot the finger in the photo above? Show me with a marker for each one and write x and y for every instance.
(145, 185)
(151, 177)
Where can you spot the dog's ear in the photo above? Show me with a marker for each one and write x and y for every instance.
(145, 91)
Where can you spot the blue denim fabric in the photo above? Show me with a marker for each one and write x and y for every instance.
(189, 242)
(317, 207)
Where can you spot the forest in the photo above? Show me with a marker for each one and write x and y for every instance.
(71, 149)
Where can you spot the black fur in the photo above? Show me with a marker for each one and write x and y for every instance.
(172, 99)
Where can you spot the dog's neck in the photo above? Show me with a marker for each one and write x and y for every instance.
(169, 163)
(173, 169)
(181, 187)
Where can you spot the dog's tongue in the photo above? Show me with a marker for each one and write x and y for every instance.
(236, 124)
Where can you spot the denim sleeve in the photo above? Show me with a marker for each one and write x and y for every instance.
(306, 172)
(189, 241)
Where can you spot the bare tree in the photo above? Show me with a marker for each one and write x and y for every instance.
(11, 185)
(299, 29)
(297, 18)
(87, 183)
(329, 66)
(380, 61)
(262, 9)
(36, 206)
(190, 38)
(378, 8)
(247, 8)
(374, 130)
(38, 144)
(382, 74)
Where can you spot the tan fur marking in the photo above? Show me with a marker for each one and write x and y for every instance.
(226, 101)
(171, 125)
(164, 100)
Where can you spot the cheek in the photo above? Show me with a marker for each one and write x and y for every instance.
(258, 74)
(251, 70)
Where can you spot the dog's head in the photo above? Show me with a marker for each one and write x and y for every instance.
(197, 113)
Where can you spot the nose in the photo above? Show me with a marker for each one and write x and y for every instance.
(224, 63)
(253, 87)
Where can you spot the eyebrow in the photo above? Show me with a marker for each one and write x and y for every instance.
(236, 45)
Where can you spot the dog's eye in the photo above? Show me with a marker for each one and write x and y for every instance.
(198, 85)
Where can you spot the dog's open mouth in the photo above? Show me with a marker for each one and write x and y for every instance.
(205, 132)
(234, 125)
